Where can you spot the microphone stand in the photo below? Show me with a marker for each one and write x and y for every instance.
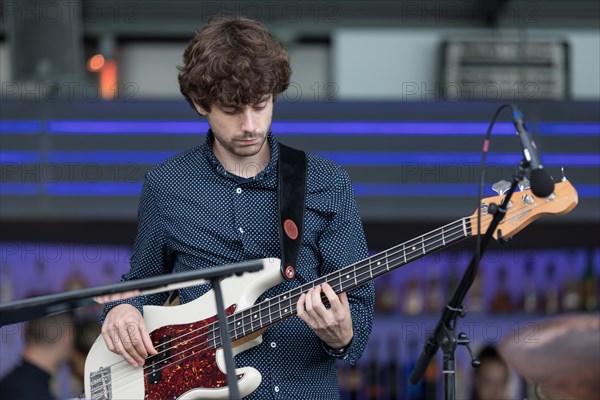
(444, 335)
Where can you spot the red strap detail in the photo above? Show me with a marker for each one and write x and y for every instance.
(290, 272)
(290, 229)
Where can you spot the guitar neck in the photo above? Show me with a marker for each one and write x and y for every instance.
(278, 308)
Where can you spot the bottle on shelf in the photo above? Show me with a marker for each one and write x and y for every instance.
(413, 299)
(352, 382)
(452, 280)
(590, 284)
(434, 297)
(386, 297)
(7, 291)
(501, 301)
(108, 272)
(374, 387)
(571, 298)
(530, 297)
(430, 379)
(475, 298)
(412, 392)
(75, 280)
(392, 375)
(551, 295)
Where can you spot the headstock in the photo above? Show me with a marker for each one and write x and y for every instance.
(525, 208)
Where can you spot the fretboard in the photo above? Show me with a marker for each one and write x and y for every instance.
(282, 306)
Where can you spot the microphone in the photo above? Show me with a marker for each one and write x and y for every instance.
(541, 183)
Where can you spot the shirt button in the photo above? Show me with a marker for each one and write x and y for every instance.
(241, 229)
(238, 190)
(276, 389)
(273, 344)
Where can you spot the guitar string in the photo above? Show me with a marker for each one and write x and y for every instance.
(300, 290)
(417, 241)
(368, 261)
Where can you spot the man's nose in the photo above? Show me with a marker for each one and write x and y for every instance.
(247, 120)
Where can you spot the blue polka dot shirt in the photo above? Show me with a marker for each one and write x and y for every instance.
(195, 214)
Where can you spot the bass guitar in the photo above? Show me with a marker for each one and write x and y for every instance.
(190, 363)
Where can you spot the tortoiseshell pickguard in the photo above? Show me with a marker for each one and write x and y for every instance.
(192, 362)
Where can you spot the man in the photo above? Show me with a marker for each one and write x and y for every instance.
(48, 344)
(491, 380)
(216, 204)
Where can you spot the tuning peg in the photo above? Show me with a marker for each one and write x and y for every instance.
(501, 187)
(524, 184)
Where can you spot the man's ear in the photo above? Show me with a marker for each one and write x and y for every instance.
(200, 110)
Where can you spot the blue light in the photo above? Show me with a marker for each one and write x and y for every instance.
(344, 158)
(19, 189)
(570, 128)
(19, 157)
(414, 190)
(362, 189)
(128, 127)
(442, 190)
(160, 127)
(457, 159)
(93, 189)
(110, 157)
(20, 127)
(369, 128)
(282, 127)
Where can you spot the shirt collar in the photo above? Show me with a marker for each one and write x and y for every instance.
(267, 171)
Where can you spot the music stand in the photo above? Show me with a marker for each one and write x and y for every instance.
(36, 307)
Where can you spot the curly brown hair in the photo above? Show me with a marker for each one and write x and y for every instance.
(233, 61)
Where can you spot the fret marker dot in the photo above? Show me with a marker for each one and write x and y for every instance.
(378, 262)
(414, 247)
(255, 316)
(285, 310)
(347, 276)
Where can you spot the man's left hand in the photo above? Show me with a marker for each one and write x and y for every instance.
(332, 325)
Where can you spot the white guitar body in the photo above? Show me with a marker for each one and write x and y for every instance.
(108, 376)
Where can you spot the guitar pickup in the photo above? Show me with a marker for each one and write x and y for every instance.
(157, 362)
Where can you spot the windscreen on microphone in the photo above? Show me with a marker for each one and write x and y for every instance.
(542, 184)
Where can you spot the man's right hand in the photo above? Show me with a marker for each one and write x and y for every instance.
(125, 333)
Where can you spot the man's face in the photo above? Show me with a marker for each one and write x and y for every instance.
(240, 130)
(492, 380)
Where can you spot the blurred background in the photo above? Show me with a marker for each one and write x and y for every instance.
(399, 93)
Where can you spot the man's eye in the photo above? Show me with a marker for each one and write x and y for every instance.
(260, 106)
(230, 111)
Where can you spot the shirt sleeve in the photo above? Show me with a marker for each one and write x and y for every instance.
(341, 244)
(150, 256)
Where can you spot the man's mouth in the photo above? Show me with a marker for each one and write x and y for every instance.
(248, 141)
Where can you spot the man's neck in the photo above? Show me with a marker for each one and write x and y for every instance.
(245, 167)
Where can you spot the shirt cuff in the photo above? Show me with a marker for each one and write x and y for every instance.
(337, 353)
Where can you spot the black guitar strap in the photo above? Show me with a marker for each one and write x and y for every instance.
(291, 198)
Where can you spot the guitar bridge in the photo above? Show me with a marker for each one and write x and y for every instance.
(101, 384)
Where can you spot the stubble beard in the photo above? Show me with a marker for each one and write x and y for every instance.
(237, 148)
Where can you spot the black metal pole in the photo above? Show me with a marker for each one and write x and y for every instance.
(234, 392)
(449, 375)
